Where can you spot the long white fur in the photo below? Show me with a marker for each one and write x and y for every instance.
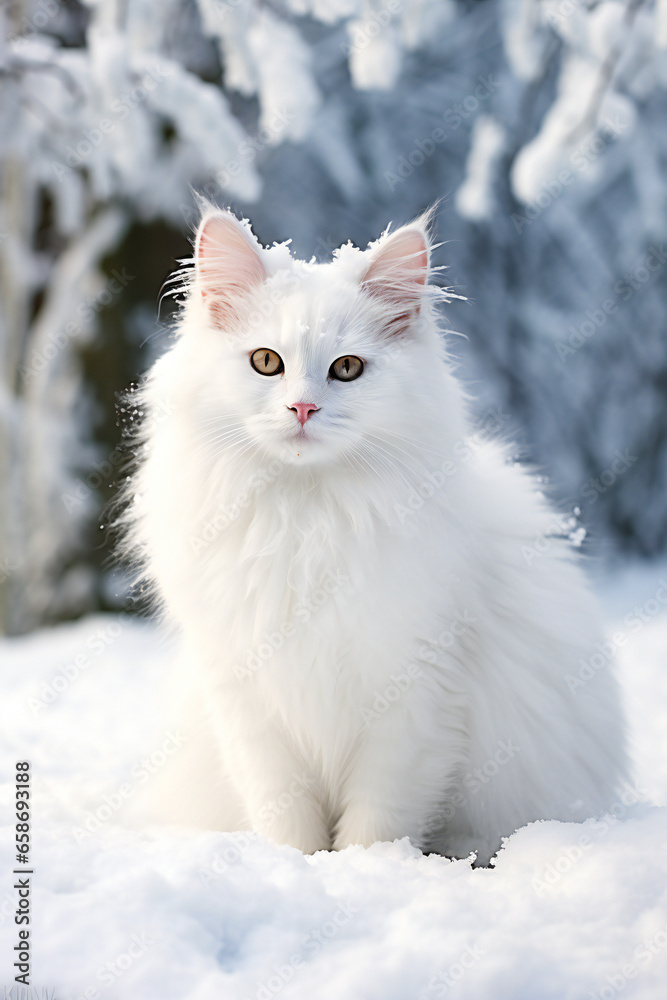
(424, 693)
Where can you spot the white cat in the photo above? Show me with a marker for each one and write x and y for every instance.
(385, 628)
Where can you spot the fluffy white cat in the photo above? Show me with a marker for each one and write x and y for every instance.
(385, 629)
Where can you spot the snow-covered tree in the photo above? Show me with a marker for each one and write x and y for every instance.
(539, 123)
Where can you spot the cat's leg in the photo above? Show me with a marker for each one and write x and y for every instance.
(280, 793)
(398, 782)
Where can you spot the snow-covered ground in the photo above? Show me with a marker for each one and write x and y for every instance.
(569, 912)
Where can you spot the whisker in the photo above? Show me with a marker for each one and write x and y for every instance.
(408, 440)
(400, 461)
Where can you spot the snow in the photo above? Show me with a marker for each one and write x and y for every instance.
(661, 17)
(524, 36)
(374, 55)
(568, 911)
(281, 54)
(474, 199)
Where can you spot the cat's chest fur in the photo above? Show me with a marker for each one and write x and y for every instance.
(315, 601)
(313, 582)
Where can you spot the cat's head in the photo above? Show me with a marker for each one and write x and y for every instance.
(312, 362)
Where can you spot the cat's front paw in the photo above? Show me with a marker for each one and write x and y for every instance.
(309, 843)
(362, 825)
(301, 825)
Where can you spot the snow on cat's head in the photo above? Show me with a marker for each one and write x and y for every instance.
(312, 362)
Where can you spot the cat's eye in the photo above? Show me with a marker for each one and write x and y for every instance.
(347, 368)
(266, 362)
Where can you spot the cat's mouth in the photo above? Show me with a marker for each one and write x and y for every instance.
(304, 430)
(304, 442)
(303, 434)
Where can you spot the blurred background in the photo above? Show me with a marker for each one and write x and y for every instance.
(540, 127)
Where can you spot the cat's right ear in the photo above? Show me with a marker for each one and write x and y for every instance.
(227, 265)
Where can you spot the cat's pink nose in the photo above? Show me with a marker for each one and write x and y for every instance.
(303, 411)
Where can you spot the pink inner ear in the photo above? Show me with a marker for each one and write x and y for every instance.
(399, 271)
(227, 265)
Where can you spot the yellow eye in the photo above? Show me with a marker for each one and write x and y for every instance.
(266, 362)
(346, 369)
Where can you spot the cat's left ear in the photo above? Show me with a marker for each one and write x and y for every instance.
(228, 265)
(398, 273)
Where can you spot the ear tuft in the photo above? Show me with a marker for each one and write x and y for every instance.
(228, 266)
(399, 269)
(397, 275)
